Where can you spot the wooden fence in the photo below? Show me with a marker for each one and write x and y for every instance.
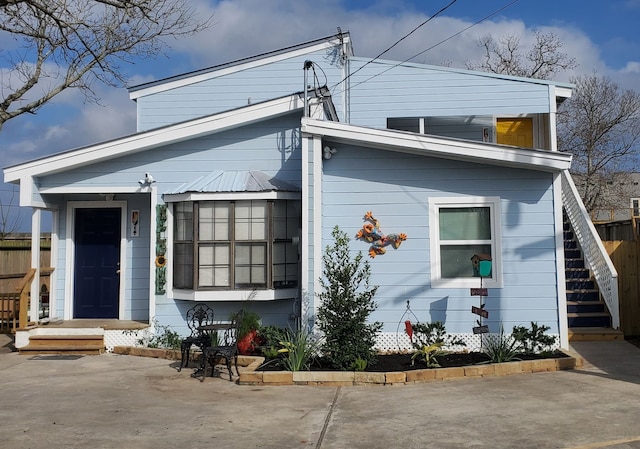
(15, 266)
(625, 255)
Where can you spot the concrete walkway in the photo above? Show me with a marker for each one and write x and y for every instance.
(111, 401)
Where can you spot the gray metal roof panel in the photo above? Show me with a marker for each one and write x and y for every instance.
(219, 181)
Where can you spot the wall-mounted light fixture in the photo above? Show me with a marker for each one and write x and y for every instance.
(147, 181)
(327, 152)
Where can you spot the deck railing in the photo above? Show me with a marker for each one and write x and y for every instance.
(595, 255)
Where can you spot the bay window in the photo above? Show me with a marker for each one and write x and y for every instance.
(235, 245)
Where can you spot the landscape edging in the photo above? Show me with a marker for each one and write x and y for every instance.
(249, 375)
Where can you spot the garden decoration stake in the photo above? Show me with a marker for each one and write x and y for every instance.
(481, 268)
(371, 233)
(408, 326)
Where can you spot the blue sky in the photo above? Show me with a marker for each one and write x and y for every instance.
(603, 36)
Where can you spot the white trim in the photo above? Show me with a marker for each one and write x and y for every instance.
(151, 139)
(553, 111)
(235, 295)
(152, 253)
(198, 78)
(447, 148)
(92, 189)
(317, 220)
(229, 196)
(563, 321)
(494, 205)
(304, 237)
(54, 257)
(170, 290)
(36, 227)
(70, 252)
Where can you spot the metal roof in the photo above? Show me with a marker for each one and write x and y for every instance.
(220, 181)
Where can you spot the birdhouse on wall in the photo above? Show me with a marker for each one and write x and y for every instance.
(481, 265)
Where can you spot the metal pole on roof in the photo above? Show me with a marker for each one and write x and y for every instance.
(307, 65)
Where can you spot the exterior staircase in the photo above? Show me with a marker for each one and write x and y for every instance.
(587, 314)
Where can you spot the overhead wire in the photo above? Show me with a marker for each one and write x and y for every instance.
(426, 50)
(397, 42)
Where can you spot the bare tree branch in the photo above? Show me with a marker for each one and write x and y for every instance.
(600, 126)
(72, 44)
(543, 61)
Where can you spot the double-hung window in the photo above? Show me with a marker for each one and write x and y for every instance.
(462, 231)
(235, 245)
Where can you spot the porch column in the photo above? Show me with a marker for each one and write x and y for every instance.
(36, 222)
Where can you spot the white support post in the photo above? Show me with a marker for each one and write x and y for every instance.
(36, 224)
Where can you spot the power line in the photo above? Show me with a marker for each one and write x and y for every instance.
(430, 48)
(398, 41)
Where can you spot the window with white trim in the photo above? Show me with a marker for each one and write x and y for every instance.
(462, 228)
(229, 245)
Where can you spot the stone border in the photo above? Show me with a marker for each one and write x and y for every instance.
(248, 375)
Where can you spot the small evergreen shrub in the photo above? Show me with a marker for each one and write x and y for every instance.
(345, 305)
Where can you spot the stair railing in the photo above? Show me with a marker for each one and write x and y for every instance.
(25, 290)
(595, 255)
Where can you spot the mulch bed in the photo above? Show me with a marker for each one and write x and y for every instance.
(402, 362)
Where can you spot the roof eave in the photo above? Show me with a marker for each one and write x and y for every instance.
(441, 147)
(237, 65)
(154, 138)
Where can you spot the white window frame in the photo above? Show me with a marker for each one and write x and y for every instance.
(493, 203)
(267, 294)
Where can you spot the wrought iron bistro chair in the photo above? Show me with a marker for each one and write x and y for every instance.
(226, 349)
(198, 316)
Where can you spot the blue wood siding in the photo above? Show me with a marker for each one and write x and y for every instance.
(235, 90)
(397, 187)
(272, 146)
(383, 89)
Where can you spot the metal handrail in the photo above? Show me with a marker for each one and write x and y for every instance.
(595, 255)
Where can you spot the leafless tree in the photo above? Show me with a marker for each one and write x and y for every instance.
(9, 220)
(62, 44)
(600, 126)
(506, 56)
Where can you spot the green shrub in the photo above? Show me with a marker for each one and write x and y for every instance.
(163, 337)
(533, 341)
(270, 338)
(430, 339)
(345, 305)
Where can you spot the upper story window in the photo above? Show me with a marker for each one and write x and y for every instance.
(233, 245)
(462, 228)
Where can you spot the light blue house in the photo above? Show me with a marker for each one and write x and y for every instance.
(230, 189)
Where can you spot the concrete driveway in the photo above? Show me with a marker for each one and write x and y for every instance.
(111, 401)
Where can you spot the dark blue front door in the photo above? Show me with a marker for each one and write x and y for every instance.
(97, 263)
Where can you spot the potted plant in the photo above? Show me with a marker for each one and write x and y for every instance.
(248, 325)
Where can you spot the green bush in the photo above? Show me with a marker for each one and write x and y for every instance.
(430, 341)
(163, 337)
(345, 305)
(270, 338)
(533, 341)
